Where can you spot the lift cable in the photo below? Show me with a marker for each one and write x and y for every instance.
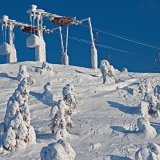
(127, 39)
(103, 46)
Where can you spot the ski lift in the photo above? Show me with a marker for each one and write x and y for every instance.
(62, 21)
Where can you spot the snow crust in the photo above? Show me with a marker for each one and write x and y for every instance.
(60, 150)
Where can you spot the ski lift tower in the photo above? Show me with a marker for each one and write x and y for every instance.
(8, 48)
(63, 21)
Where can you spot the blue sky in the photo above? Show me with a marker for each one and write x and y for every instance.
(134, 19)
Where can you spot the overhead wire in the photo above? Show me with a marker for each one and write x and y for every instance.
(104, 46)
(124, 38)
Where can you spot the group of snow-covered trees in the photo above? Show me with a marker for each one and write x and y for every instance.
(17, 131)
(62, 111)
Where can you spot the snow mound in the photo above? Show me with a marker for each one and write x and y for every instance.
(151, 152)
(60, 150)
(47, 95)
(144, 127)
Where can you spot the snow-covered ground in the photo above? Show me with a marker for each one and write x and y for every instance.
(105, 118)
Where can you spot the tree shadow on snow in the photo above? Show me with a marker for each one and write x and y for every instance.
(156, 126)
(121, 129)
(79, 71)
(125, 109)
(5, 75)
(84, 73)
(112, 157)
(38, 96)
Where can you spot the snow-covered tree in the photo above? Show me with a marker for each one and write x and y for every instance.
(46, 67)
(145, 86)
(125, 70)
(60, 150)
(152, 106)
(157, 92)
(107, 72)
(61, 119)
(47, 95)
(69, 96)
(22, 72)
(17, 129)
(150, 152)
(144, 127)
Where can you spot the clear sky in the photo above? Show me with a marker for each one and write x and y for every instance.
(134, 19)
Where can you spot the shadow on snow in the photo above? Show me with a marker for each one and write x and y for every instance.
(112, 157)
(121, 129)
(122, 108)
(5, 75)
(38, 96)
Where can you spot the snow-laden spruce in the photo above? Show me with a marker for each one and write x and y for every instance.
(145, 128)
(151, 106)
(69, 96)
(107, 71)
(61, 119)
(47, 95)
(145, 86)
(60, 150)
(157, 92)
(46, 67)
(150, 152)
(125, 70)
(22, 72)
(17, 129)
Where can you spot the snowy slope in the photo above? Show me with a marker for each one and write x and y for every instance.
(105, 120)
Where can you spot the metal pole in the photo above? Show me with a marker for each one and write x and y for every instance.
(67, 39)
(11, 36)
(93, 48)
(62, 46)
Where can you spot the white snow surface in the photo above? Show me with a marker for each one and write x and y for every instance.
(105, 119)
